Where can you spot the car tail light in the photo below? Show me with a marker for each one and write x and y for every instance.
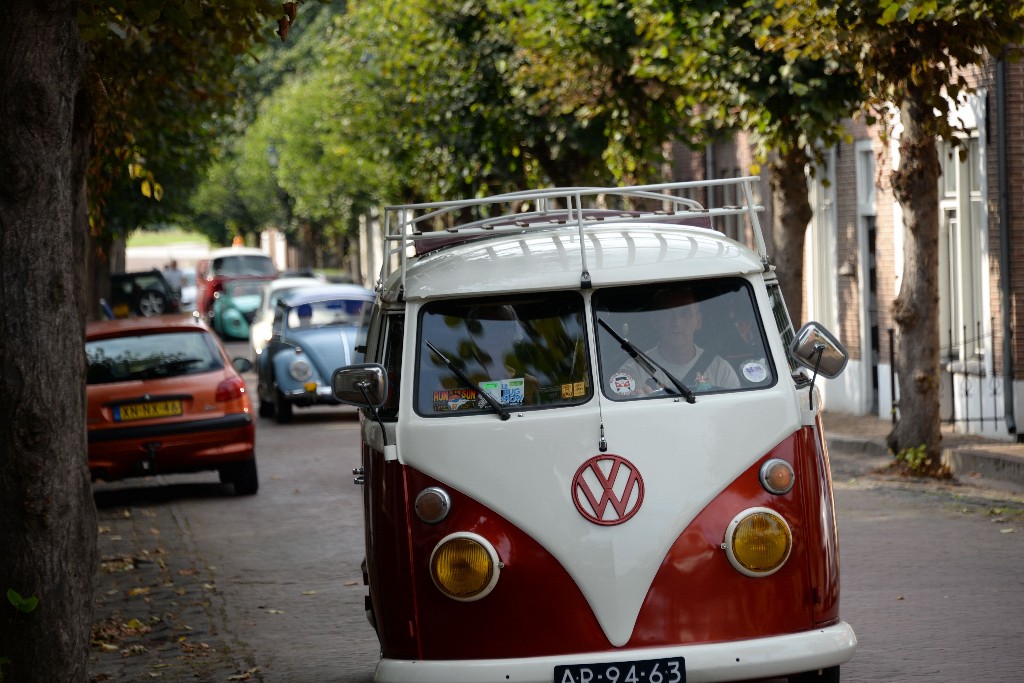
(230, 389)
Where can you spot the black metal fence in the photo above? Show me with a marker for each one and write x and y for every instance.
(971, 396)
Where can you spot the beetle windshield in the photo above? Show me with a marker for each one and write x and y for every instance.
(524, 351)
(236, 265)
(351, 312)
(705, 335)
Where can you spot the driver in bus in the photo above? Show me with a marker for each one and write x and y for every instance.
(677, 317)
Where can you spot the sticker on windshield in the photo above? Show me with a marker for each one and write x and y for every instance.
(508, 392)
(623, 384)
(574, 390)
(753, 371)
(453, 399)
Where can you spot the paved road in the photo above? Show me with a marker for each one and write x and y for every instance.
(931, 578)
(268, 588)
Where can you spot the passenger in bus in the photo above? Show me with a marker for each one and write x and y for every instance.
(743, 347)
(676, 317)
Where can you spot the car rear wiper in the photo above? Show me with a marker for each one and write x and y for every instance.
(646, 363)
(491, 401)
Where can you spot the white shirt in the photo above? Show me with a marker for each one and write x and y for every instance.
(632, 379)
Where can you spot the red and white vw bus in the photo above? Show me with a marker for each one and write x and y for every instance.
(592, 449)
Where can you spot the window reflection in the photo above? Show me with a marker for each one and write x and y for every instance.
(525, 351)
(705, 334)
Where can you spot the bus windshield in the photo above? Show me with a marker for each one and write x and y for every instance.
(680, 339)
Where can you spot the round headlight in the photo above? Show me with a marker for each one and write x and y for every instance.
(758, 542)
(464, 566)
(433, 504)
(777, 476)
(300, 370)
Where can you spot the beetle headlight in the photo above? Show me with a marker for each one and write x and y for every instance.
(464, 566)
(300, 370)
(758, 542)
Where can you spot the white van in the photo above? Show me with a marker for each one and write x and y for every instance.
(592, 449)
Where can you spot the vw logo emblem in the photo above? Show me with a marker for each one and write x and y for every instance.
(607, 489)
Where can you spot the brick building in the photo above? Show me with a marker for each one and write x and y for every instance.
(854, 256)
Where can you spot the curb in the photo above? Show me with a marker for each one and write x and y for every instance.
(857, 444)
(986, 462)
(997, 463)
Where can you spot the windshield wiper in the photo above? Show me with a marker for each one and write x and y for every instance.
(646, 363)
(491, 401)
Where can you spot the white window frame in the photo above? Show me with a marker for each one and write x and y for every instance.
(820, 245)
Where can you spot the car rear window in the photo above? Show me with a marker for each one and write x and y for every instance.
(235, 266)
(151, 356)
(525, 351)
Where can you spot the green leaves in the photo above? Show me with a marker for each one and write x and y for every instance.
(22, 604)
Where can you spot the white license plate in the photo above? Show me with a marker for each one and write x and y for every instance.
(643, 671)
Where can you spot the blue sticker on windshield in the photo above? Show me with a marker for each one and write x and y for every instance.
(508, 392)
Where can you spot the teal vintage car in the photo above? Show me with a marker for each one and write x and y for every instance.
(235, 306)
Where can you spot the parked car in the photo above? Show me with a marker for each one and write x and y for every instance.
(263, 320)
(163, 397)
(235, 306)
(188, 289)
(225, 265)
(315, 332)
(145, 293)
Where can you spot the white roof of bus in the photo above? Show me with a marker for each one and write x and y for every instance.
(616, 253)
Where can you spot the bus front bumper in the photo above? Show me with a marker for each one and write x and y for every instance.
(772, 657)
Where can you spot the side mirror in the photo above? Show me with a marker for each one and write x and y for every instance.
(815, 348)
(241, 364)
(364, 386)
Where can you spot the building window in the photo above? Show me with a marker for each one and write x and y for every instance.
(962, 257)
(820, 257)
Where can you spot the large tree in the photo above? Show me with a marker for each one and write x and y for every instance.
(695, 71)
(47, 518)
(917, 57)
(55, 126)
(160, 80)
(737, 72)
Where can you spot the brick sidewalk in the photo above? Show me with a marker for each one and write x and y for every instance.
(157, 613)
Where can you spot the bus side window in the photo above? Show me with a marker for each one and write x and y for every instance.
(783, 322)
(390, 356)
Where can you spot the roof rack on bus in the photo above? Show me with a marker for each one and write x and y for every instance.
(430, 225)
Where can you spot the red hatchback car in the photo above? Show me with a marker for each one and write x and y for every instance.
(163, 397)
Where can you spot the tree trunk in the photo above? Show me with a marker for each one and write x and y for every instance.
(916, 308)
(791, 211)
(308, 243)
(47, 515)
